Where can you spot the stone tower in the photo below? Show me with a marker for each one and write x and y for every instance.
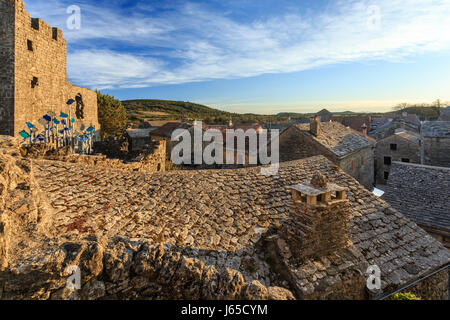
(319, 219)
(33, 73)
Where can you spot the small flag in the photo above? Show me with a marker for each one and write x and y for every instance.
(24, 134)
(61, 131)
(64, 122)
(47, 118)
(56, 121)
(63, 115)
(70, 101)
(73, 120)
(30, 125)
(90, 129)
(82, 127)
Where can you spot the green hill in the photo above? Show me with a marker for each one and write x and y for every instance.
(152, 110)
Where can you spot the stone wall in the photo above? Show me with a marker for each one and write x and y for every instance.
(405, 149)
(436, 152)
(40, 72)
(6, 67)
(435, 287)
(152, 159)
(295, 145)
(360, 165)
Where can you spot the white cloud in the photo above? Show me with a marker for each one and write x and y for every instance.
(193, 44)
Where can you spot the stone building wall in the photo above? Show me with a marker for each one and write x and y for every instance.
(435, 287)
(405, 150)
(436, 152)
(360, 165)
(6, 67)
(40, 72)
(295, 145)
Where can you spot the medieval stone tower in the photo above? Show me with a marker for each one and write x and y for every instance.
(33, 73)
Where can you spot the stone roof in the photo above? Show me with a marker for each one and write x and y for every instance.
(421, 193)
(436, 129)
(140, 133)
(220, 216)
(409, 135)
(167, 129)
(337, 138)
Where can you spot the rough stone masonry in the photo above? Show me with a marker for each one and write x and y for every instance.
(33, 73)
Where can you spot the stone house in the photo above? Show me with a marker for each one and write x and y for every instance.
(345, 147)
(391, 127)
(311, 232)
(422, 194)
(436, 143)
(33, 73)
(445, 114)
(138, 138)
(402, 146)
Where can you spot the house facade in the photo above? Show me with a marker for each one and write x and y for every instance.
(403, 146)
(343, 146)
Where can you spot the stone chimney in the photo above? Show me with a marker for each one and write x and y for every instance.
(315, 125)
(364, 129)
(318, 223)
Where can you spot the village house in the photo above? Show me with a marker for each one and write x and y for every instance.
(310, 232)
(402, 146)
(409, 122)
(33, 73)
(445, 114)
(436, 143)
(345, 147)
(422, 194)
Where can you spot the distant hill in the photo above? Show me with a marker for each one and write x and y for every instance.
(149, 109)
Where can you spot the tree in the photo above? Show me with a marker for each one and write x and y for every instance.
(112, 116)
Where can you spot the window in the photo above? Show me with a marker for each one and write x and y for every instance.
(35, 23)
(387, 161)
(34, 82)
(405, 160)
(393, 146)
(30, 45)
(386, 175)
(54, 33)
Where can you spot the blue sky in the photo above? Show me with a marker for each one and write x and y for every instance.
(263, 56)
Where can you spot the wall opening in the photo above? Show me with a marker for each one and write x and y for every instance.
(30, 45)
(55, 33)
(406, 160)
(387, 161)
(386, 175)
(34, 82)
(35, 23)
(393, 147)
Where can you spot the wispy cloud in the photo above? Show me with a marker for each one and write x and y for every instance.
(193, 42)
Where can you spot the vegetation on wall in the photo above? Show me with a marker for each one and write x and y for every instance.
(112, 116)
(405, 296)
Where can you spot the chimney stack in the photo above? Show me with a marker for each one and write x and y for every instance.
(364, 129)
(319, 218)
(315, 125)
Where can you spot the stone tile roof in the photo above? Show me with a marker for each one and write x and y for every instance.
(337, 138)
(354, 122)
(167, 129)
(436, 129)
(140, 133)
(421, 193)
(219, 216)
(445, 114)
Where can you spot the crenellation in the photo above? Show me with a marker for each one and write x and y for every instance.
(38, 76)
